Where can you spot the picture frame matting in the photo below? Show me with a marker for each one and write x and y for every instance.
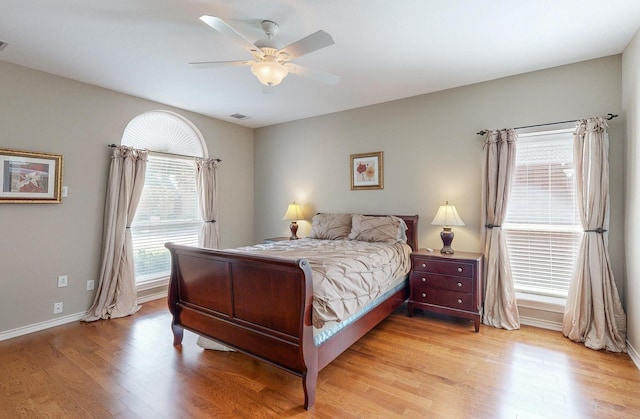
(367, 171)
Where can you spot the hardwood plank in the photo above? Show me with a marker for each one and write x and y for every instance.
(424, 366)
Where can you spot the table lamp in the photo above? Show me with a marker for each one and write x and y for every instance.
(293, 214)
(447, 216)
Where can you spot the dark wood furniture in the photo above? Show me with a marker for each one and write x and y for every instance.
(262, 306)
(447, 284)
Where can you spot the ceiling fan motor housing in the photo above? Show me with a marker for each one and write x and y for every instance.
(270, 28)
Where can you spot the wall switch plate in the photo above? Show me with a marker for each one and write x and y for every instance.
(63, 281)
(65, 191)
(57, 308)
(90, 284)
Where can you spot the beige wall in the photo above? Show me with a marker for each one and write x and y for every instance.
(631, 108)
(431, 151)
(431, 154)
(42, 112)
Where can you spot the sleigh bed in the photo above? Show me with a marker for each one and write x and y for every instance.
(264, 305)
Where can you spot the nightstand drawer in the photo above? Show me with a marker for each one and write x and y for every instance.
(451, 283)
(444, 267)
(440, 297)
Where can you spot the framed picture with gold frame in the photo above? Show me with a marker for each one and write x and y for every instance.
(367, 171)
(30, 177)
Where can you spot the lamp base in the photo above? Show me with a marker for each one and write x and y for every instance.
(447, 237)
(294, 229)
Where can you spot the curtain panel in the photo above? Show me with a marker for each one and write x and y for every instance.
(594, 313)
(207, 189)
(116, 295)
(500, 307)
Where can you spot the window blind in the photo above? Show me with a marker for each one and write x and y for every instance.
(167, 212)
(542, 225)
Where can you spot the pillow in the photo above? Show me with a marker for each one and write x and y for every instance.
(378, 229)
(330, 226)
(402, 229)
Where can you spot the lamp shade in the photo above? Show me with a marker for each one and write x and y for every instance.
(270, 73)
(447, 216)
(293, 213)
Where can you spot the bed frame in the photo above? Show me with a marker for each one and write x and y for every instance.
(262, 306)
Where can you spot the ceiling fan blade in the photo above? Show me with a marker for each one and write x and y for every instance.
(313, 42)
(311, 73)
(212, 64)
(221, 26)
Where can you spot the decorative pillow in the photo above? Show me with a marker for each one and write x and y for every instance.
(402, 229)
(378, 229)
(330, 226)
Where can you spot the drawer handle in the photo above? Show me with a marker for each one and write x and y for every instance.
(424, 279)
(459, 284)
(459, 269)
(459, 301)
(424, 265)
(424, 294)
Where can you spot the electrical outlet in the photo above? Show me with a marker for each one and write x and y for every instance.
(90, 284)
(63, 281)
(57, 308)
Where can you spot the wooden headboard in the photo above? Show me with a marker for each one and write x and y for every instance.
(412, 229)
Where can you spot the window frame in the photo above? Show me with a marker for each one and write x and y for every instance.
(540, 293)
(169, 135)
(194, 224)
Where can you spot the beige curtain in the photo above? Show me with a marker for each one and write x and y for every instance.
(207, 188)
(500, 309)
(593, 313)
(116, 294)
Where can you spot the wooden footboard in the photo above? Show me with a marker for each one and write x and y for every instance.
(258, 305)
(262, 306)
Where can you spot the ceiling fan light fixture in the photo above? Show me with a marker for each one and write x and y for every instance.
(270, 73)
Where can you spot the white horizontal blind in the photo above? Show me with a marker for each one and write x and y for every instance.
(542, 226)
(167, 212)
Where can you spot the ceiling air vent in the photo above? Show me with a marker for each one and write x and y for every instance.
(3, 45)
(238, 116)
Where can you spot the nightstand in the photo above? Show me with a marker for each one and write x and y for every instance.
(276, 239)
(447, 284)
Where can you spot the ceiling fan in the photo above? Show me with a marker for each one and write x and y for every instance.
(271, 61)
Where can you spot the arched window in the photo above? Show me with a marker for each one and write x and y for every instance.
(168, 208)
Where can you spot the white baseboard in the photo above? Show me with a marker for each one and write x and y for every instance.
(36, 327)
(634, 355)
(151, 297)
(58, 321)
(543, 324)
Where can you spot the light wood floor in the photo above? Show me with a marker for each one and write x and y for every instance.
(420, 367)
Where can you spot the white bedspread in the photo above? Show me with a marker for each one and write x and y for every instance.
(347, 274)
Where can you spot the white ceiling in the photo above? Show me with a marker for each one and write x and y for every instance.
(384, 49)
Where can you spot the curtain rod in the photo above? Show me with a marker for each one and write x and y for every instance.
(608, 116)
(167, 154)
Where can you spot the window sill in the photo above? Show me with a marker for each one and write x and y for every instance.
(541, 302)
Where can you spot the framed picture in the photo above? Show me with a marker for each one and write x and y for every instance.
(29, 177)
(367, 171)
